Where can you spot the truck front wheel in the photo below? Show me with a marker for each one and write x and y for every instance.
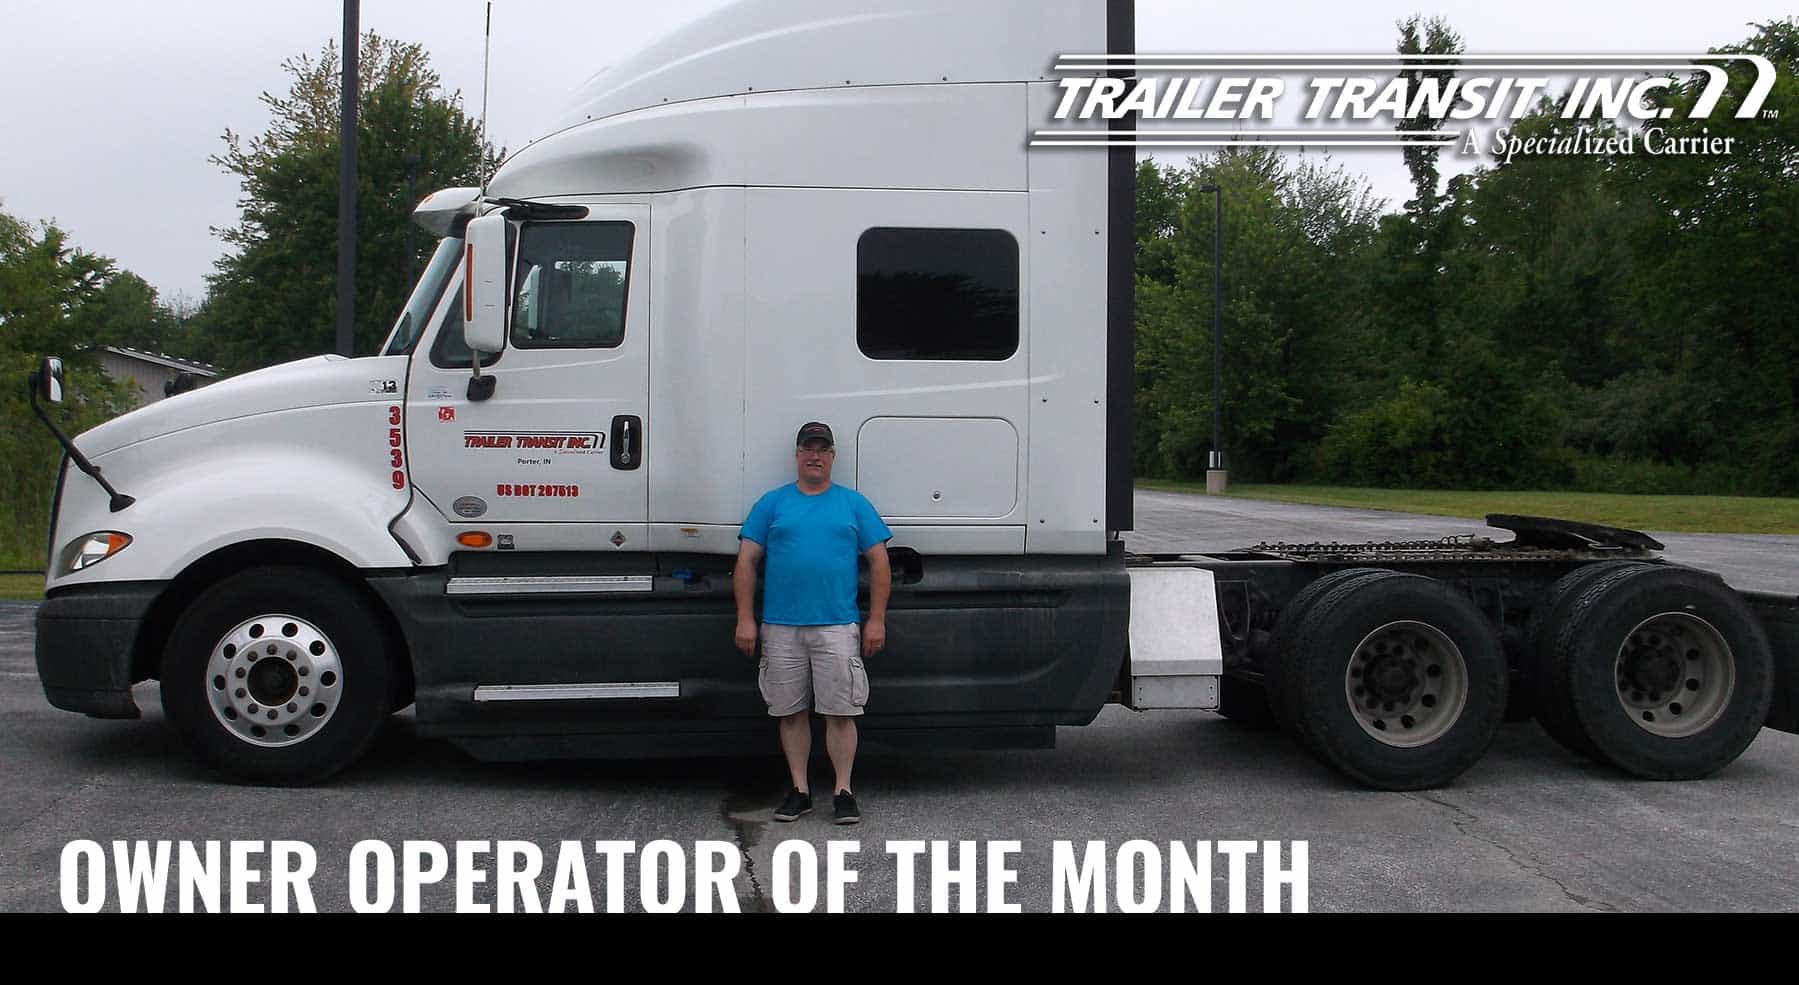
(278, 675)
(1397, 681)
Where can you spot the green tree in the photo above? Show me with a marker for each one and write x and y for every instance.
(45, 285)
(1714, 276)
(1290, 232)
(126, 311)
(1407, 283)
(273, 295)
(1160, 192)
(1418, 36)
(1479, 424)
(1543, 256)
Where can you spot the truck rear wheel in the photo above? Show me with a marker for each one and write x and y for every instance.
(278, 675)
(1397, 681)
(1665, 671)
(1552, 710)
(1286, 625)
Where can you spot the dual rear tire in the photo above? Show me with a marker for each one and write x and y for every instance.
(1395, 680)
(1399, 682)
(1257, 704)
(1660, 671)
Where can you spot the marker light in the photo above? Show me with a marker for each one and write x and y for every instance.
(84, 552)
(475, 538)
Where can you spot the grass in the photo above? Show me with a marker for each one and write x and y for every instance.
(1689, 514)
(27, 588)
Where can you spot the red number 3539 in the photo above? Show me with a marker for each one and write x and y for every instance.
(395, 456)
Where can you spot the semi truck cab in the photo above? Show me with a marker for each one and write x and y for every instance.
(531, 496)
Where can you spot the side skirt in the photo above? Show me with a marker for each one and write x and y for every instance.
(569, 651)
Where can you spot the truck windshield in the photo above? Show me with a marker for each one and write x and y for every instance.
(411, 323)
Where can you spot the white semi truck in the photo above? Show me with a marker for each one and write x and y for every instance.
(789, 212)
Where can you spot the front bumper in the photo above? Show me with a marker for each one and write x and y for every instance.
(86, 639)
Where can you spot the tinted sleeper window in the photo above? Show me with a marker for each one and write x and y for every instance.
(937, 293)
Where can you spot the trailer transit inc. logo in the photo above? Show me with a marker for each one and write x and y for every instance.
(1388, 100)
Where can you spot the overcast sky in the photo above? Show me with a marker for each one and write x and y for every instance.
(109, 110)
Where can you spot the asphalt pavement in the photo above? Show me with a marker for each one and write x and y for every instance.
(1532, 827)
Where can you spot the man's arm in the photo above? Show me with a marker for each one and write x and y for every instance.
(743, 586)
(880, 585)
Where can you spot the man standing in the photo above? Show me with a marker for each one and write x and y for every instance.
(812, 651)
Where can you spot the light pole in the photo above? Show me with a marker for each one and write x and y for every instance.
(346, 187)
(1217, 479)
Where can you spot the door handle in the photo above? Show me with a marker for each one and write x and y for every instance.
(627, 442)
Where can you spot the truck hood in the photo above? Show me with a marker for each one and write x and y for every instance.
(312, 382)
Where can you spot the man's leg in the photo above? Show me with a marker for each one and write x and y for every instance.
(840, 743)
(840, 688)
(786, 681)
(796, 745)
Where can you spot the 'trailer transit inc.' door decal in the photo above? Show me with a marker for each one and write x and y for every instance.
(560, 442)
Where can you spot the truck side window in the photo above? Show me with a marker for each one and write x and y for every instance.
(569, 285)
(937, 293)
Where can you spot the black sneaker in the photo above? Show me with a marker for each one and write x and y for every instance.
(844, 809)
(794, 806)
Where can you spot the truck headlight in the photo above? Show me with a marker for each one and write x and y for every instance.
(85, 552)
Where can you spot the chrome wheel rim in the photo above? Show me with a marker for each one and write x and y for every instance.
(1406, 684)
(1674, 674)
(274, 680)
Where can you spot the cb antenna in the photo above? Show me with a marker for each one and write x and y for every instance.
(486, 50)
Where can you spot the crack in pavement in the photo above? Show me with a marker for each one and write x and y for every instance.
(748, 815)
(1463, 819)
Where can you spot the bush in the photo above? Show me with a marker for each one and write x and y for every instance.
(1650, 431)
(1478, 427)
(1615, 474)
(1646, 415)
(1396, 442)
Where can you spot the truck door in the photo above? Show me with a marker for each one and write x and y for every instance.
(562, 440)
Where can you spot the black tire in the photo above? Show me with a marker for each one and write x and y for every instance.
(1549, 705)
(1245, 703)
(1637, 629)
(325, 721)
(1440, 643)
(1286, 624)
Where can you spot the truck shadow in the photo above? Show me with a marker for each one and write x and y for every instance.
(1163, 751)
(1120, 753)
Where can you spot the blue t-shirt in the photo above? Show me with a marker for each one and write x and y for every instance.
(811, 545)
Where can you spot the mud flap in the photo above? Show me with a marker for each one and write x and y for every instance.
(1780, 617)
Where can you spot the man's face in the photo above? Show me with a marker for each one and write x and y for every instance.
(813, 460)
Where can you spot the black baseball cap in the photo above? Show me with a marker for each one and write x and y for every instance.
(814, 431)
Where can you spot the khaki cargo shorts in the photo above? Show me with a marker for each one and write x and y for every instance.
(817, 667)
